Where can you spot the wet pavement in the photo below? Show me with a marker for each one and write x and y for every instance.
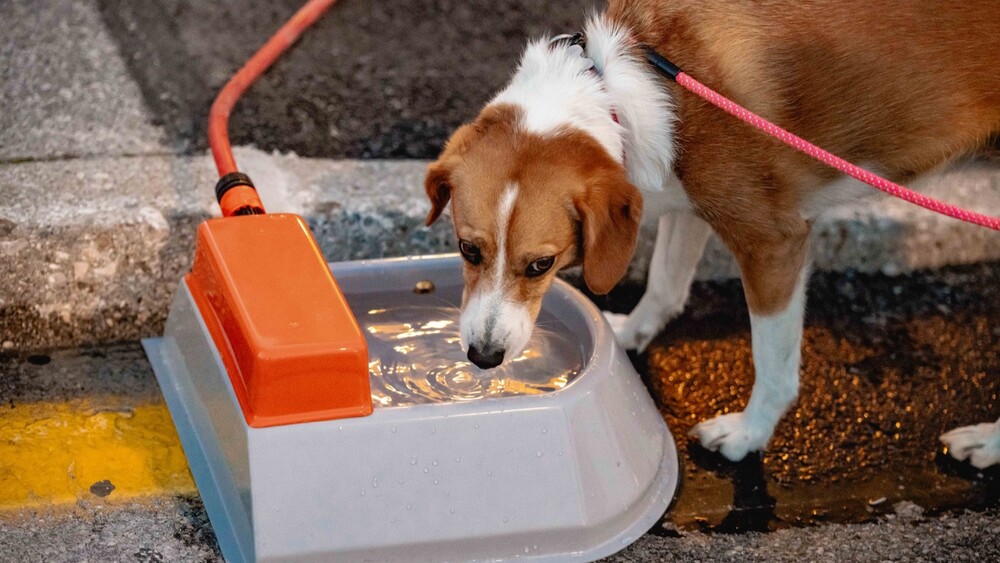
(888, 364)
(176, 529)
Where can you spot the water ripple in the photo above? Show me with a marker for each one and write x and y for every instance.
(416, 357)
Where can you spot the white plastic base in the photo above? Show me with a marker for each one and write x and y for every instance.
(572, 475)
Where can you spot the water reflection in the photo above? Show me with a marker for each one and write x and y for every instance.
(416, 357)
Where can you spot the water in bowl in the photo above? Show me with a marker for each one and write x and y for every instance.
(415, 357)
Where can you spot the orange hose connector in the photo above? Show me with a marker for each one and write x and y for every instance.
(218, 117)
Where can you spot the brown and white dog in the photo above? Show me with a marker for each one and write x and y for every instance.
(553, 170)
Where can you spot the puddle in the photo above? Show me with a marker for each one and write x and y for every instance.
(888, 365)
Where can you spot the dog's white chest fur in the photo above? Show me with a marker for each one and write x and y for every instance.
(557, 90)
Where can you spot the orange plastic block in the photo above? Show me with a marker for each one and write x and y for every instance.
(288, 339)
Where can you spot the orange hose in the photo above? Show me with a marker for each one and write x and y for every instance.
(218, 117)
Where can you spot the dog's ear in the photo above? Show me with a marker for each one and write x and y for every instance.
(438, 186)
(609, 209)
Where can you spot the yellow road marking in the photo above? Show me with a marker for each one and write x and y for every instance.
(52, 453)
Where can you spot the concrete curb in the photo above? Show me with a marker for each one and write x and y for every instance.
(64, 89)
(91, 249)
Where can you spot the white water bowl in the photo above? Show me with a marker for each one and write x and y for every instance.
(572, 474)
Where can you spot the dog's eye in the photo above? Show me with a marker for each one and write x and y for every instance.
(540, 266)
(470, 252)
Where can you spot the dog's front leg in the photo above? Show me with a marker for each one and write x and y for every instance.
(774, 280)
(680, 241)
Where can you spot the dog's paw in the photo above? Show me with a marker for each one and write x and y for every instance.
(636, 330)
(617, 323)
(625, 332)
(979, 443)
(730, 435)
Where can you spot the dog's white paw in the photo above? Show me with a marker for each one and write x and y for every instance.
(625, 332)
(617, 322)
(731, 435)
(636, 330)
(979, 443)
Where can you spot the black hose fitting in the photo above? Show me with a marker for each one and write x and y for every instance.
(230, 181)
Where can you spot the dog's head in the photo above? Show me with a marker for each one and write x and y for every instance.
(525, 205)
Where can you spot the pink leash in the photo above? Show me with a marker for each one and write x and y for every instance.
(670, 70)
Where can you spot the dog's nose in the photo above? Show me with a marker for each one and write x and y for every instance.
(486, 360)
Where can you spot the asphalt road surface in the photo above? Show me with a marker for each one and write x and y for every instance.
(384, 79)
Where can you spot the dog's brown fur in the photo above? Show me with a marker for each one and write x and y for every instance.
(908, 85)
(567, 179)
(902, 86)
